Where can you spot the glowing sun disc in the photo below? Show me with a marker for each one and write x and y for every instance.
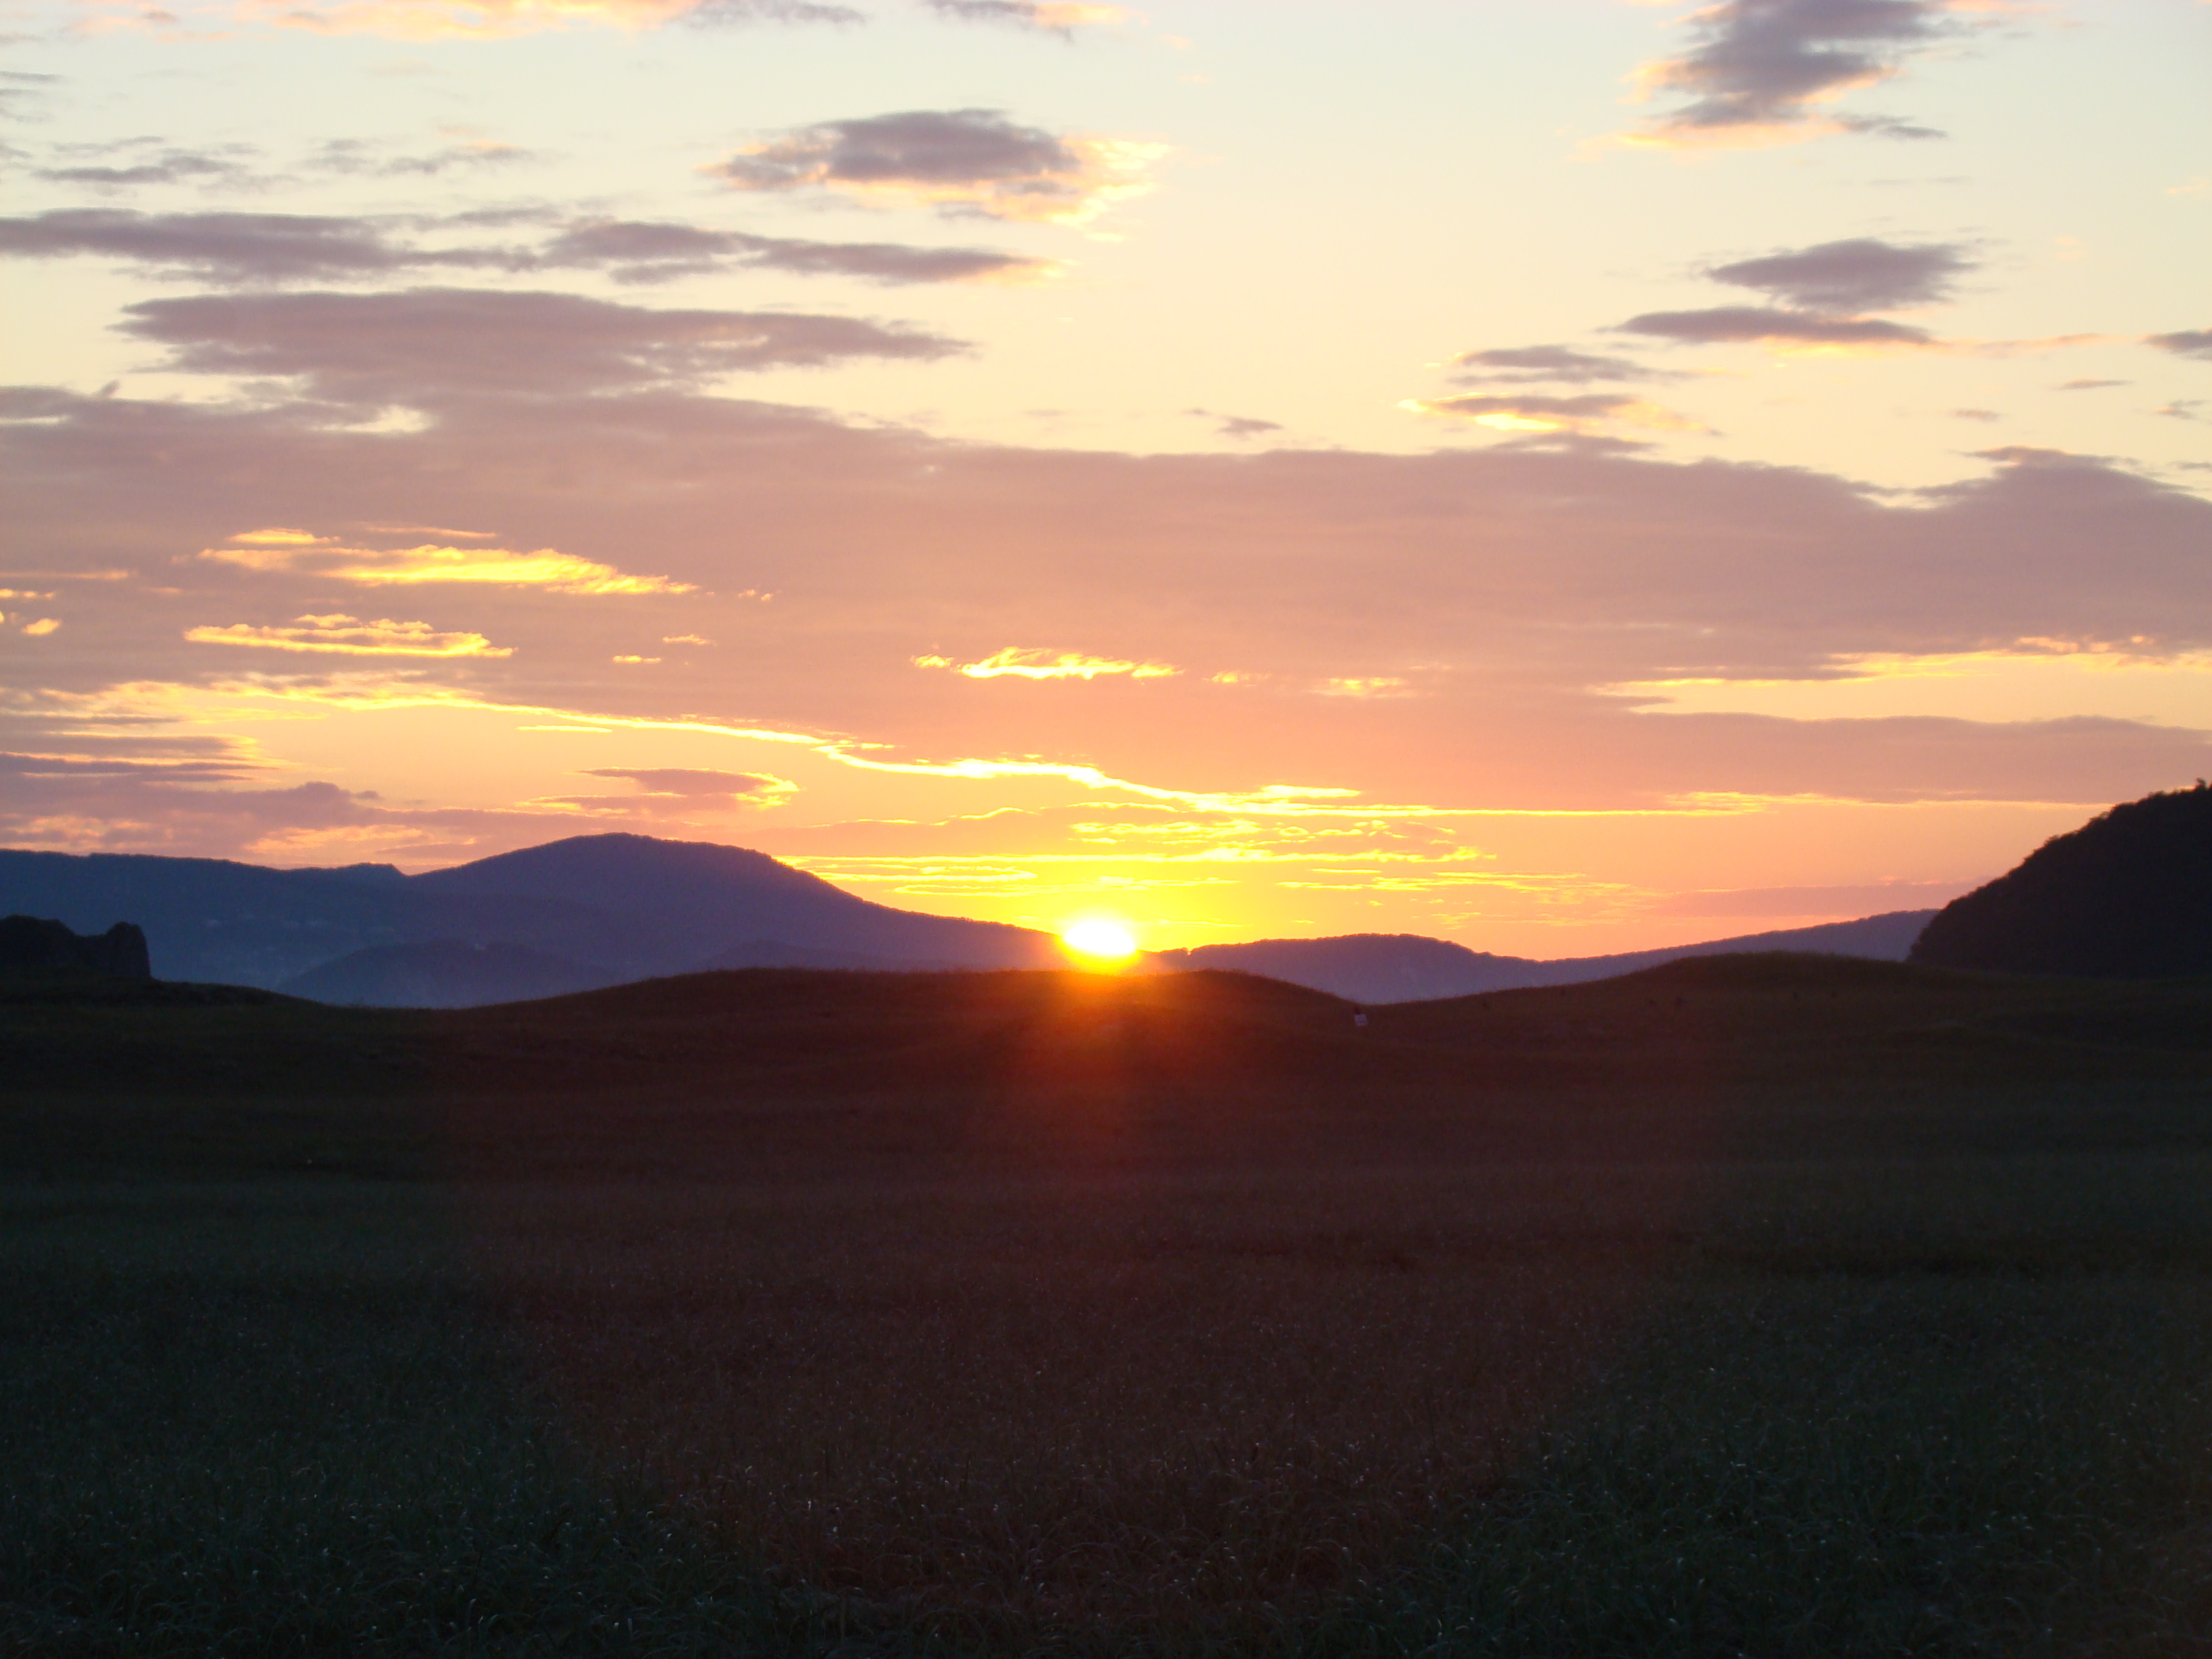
(1104, 941)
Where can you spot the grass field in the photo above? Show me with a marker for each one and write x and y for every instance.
(1761, 1307)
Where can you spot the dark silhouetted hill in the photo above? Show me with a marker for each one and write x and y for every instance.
(445, 974)
(1382, 967)
(623, 907)
(30, 942)
(2127, 896)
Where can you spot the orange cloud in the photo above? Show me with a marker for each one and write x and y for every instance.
(350, 636)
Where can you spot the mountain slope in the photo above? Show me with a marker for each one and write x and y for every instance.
(1382, 967)
(2127, 896)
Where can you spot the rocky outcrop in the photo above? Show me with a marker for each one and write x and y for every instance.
(28, 942)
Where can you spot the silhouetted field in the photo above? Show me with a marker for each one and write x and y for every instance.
(1767, 1306)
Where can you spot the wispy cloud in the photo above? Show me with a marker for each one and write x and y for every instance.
(1719, 325)
(1239, 427)
(356, 155)
(961, 162)
(1553, 364)
(254, 249)
(1367, 685)
(350, 636)
(1041, 663)
(1583, 412)
(687, 788)
(293, 550)
(633, 251)
(167, 167)
(228, 247)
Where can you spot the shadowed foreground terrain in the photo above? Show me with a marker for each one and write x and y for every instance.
(1772, 1305)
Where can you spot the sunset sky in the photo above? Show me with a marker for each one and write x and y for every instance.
(1564, 476)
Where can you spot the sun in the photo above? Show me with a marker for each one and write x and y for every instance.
(1101, 940)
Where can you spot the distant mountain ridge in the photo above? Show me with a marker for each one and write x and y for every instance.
(592, 911)
(1381, 968)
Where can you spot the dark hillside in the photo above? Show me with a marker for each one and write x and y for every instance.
(2128, 895)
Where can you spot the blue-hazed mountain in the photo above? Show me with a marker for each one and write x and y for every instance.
(1377, 968)
(620, 907)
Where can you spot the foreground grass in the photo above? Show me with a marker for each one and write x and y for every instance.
(1898, 1344)
(1380, 1414)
